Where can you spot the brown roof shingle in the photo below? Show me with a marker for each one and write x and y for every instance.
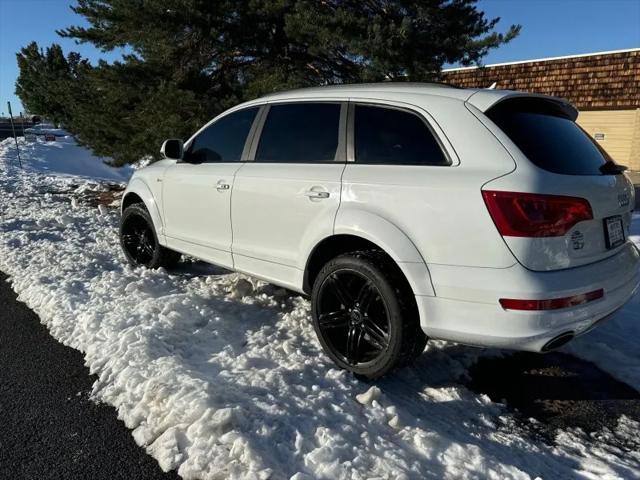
(604, 81)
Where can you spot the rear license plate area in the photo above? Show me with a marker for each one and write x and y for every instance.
(613, 231)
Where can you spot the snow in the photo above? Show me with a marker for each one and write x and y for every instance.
(220, 376)
(62, 157)
(46, 129)
(615, 348)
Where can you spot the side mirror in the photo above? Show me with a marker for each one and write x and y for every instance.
(173, 149)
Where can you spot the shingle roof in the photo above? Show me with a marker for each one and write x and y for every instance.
(600, 81)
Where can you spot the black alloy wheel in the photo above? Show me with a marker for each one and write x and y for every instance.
(352, 317)
(365, 314)
(139, 240)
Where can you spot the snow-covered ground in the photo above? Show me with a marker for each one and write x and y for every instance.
(62, 157)
(221, 376)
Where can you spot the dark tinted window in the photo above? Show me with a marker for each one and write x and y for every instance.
(223, 141)
(303, 132)
(548, 137)
(389, 136)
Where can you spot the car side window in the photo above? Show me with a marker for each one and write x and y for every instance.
(300, 133)
(394, 137)
(222, 141)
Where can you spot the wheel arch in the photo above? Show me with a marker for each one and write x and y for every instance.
(129, 199)
(363, 230)
(138, 192)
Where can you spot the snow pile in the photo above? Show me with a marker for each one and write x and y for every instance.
(62, 157)
(220, 376)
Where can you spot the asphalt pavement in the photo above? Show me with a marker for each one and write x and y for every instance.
(49, 428)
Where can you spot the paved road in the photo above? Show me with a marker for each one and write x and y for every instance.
(49, 429)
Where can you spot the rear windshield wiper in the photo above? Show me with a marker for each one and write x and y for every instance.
(612, 168)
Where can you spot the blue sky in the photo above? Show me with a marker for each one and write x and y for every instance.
(550, 28)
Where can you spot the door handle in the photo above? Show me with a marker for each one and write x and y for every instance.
(221, 186)
(314, 194)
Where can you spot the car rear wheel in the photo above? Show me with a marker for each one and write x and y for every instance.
(364, 314)
(139, 240)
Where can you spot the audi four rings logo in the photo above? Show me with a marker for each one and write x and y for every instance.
(623, 199)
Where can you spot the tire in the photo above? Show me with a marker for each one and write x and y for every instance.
(139, 240)
(365, 315)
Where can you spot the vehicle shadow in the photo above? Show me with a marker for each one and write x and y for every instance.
(559, 390)
(195, 268)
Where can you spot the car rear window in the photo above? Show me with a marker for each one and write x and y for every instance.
(548, 137)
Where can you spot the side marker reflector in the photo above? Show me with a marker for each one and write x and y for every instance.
(552, 303)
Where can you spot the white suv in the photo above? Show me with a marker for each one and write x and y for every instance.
(405, 211)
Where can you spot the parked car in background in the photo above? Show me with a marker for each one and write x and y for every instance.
(45, 131)
(405, 211)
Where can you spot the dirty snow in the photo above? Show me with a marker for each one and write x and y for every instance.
(220, 376)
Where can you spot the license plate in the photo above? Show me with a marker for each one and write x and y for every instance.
(613, 232)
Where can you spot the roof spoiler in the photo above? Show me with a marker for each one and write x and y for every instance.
(483, 100)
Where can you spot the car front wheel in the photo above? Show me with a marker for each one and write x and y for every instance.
(364, 314)
(139, 240)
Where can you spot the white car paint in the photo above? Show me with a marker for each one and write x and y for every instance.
(273, 209)
(464, 307)
(430, 219)
(149, 190)
(196, 204)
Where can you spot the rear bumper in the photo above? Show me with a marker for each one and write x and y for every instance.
(466, 309)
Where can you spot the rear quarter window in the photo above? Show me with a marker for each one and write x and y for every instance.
(548, 137)
(389, 136)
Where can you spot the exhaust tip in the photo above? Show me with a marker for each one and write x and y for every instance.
(558, 341)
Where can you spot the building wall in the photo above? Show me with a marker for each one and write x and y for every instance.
(621, 129)
(634, 158)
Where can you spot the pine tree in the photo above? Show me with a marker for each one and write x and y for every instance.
(46, 80)
(191, 59)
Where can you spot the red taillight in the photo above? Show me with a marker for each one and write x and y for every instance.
(551, 304)
(535, 215)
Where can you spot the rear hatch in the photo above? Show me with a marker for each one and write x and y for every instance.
(567, 203)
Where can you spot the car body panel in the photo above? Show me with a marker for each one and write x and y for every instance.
(197, 209)
(144, 183)
(466, 309)
(365, 224)
(272, 213)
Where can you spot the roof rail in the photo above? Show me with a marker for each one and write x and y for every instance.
(347, 86)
